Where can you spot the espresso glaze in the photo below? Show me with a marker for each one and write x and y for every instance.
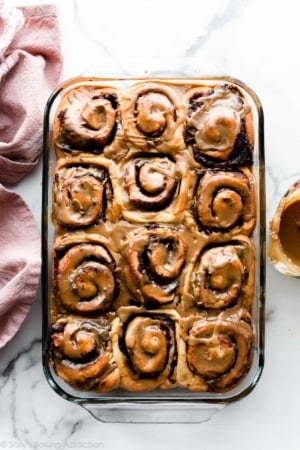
(152, 245)
(289, 231)
(284, 245)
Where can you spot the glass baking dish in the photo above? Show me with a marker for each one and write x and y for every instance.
(179, 404)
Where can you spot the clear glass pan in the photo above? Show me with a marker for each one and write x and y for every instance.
(166, 406)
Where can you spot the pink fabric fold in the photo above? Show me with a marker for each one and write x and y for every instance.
(20, 263)
(30, 68)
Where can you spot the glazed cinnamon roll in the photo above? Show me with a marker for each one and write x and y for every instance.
(153, 117)
(225, 201)
(144, 347)
(151, 182)
(223, 275)
(155, 189)
(86, 119)
(85, 275)
(82, 355)
(82, 192)
(214, 355)
(219, 126)
(155, 258)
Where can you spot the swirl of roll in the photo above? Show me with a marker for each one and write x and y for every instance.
(219, 126)
(86, 281)
(82, 192)
(144, 350)
(153, 115)
(155, 259)
(225, 201)
(216, 355)
(150, 182)
(87, 118)
(224, 275)
(82, 355)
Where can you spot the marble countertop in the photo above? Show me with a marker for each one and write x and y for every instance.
(255, 41)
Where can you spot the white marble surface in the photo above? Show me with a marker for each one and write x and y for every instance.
(257, 42)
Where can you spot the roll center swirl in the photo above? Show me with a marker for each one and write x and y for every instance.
(146, 343)
(152, 113)
(86, 281)
(98, 114)
(151, 182)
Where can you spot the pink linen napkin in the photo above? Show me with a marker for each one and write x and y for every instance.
(20, 263)
(30, 67)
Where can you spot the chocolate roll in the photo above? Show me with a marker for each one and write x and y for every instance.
(81, 354)
(225, 202)
(144, 348)
(214, 355)
(155, 258)
(153, 116)
(86, 119)
(85, 275)
(219, 126)
(82, 192)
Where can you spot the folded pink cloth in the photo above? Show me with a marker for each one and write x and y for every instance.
(30, 67)
(20, 263)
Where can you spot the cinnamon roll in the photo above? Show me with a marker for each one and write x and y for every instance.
(223, 276)
(219, 126)
(82, 192)
(86, 119)
(155, 259)
(150, 182)
(214, 355)
(144, 348)
(153, 116)
(155, 189)
(85, 275)
(82, 355)
(225, 201)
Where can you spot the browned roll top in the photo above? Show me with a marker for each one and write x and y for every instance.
(146, 342)
(224, 275)
(153, 117)
(226, 202)
(144, 348)
(81, 193)
(86, 281)
(218, 126)
(219, 352)
(82, 356)
(87, 118)
(150, 182)
(155, 259)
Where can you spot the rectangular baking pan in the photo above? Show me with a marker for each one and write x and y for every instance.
(180, 403)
